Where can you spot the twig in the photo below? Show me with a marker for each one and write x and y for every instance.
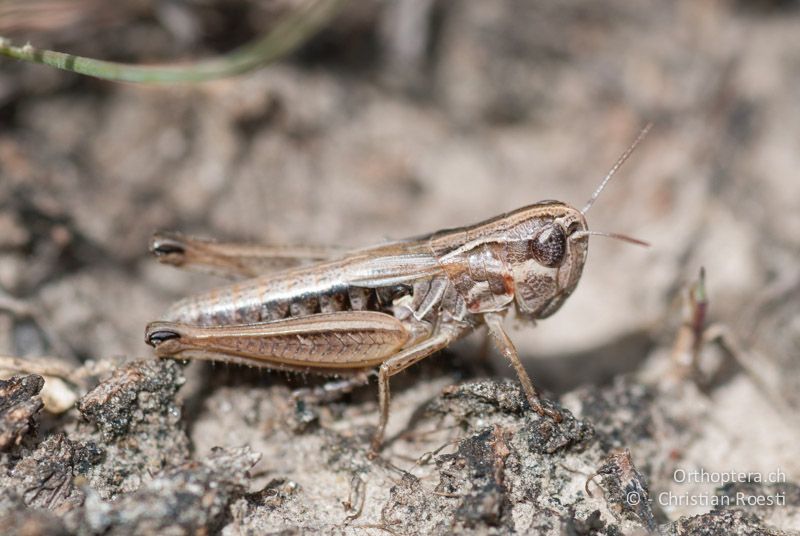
(289, 32)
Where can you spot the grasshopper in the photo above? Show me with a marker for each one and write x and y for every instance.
(337, 312)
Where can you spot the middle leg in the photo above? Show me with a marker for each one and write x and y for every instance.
(397, 363)
(332, 390)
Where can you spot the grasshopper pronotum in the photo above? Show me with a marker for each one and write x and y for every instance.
(388, 306)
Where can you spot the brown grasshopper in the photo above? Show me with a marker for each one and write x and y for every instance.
(389, 306)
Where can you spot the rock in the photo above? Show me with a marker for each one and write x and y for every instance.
(19, 406)
(189, 499)
(136, 418)
(47, 477)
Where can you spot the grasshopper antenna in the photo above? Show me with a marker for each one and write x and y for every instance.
(617, 236)
(621, 160)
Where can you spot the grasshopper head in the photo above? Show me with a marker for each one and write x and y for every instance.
(552, 263)
(557, 249)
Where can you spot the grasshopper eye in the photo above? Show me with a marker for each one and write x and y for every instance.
(549, 246)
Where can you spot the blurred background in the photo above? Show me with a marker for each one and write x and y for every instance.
(403, 117)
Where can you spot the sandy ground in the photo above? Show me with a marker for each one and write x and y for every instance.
(400, 119)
